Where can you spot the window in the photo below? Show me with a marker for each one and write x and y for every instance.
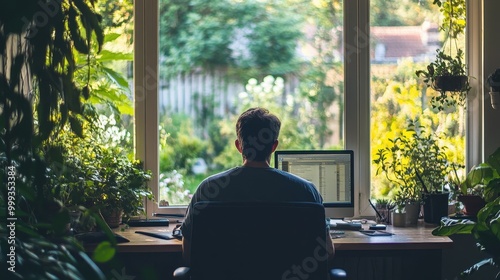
(398, 97)
(151, 85)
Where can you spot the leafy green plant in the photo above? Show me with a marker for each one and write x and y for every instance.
(486, 175)
(486, 230)
(414, 153)
(121, 184)
(39, 97)
(93, 172)
(399, 201)
(104, 85)
(454, 16)
(447, 66)
(383, 203)
(448, 73)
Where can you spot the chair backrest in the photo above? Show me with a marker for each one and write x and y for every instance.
(258, 240)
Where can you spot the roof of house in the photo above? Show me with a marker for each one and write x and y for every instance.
(400, 41)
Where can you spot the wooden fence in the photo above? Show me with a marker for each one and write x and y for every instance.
(194, 93)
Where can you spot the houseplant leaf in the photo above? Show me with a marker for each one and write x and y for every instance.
(452, 226)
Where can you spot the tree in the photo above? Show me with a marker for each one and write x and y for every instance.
(400, 13)
(243, 35)
(321, 80)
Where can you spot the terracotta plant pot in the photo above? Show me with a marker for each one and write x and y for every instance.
(450, 83)
(472, 204)
(112, 217)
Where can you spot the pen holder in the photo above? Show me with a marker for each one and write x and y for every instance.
(385, 216)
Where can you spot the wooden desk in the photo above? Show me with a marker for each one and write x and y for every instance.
(143, 243)
(406, 238)
(409, 238)
(411, 253)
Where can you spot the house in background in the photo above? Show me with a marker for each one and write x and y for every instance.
(392, 43)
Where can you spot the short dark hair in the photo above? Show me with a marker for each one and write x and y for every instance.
(257, 130)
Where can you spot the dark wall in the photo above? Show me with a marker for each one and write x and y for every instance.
(491, 62)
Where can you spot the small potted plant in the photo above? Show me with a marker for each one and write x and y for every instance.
(395, 163)
(399, 213)
(383, 208)
(119, 188)
(494, 82)
(488, 174)
(417, 166)
(470, 191)
(448, 76)
(98, 175)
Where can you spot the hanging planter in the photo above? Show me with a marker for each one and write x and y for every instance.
(495, 99)
(494, 82)
(447, 74)
(451, 83)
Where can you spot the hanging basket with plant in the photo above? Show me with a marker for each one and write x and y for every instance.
(494, 82)
(447, 74)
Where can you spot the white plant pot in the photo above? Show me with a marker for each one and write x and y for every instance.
(495, 99)
(399, 219)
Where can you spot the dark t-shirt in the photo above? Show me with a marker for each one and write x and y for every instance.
(251, 184)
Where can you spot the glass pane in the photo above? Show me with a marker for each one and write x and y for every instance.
(404, 38)
(113, 76)
(220, 57)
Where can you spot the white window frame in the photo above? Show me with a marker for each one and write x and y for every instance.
(357, 94)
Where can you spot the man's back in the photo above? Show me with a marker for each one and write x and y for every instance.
(252, 184)
(257, 133)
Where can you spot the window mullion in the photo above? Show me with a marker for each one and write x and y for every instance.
(357, 97)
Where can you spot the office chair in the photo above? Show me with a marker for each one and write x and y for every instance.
(257, 241)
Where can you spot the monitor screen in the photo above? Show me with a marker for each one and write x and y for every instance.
(331, 171)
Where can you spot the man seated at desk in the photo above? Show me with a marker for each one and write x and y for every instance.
(257, 138)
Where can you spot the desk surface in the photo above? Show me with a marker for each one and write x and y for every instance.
(407, 238)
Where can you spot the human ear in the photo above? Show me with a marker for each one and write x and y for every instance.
(275, 145)
(238, 146)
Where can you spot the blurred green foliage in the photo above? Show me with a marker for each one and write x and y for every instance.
(396, 99)
(204, 34)
(95, 171)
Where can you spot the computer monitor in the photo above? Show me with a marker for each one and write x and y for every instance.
(331, 171)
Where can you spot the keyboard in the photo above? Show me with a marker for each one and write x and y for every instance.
(148, 223)
(343, 225)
